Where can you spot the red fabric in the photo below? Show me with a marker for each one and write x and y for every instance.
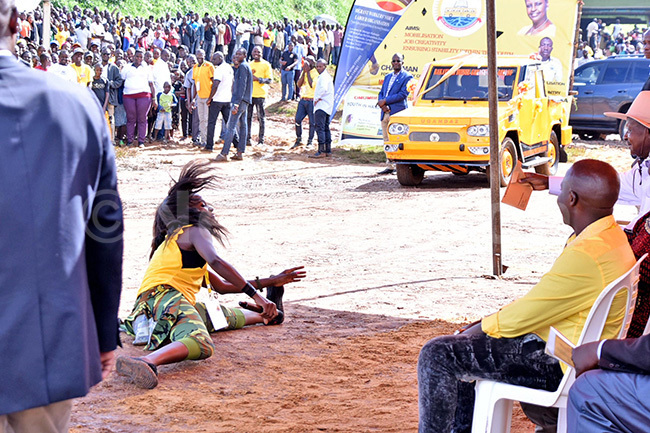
(640, 243)
(138, 95)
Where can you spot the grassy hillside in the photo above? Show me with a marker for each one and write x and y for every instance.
(265, 9)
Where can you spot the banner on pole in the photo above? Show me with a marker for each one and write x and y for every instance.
(431, 30)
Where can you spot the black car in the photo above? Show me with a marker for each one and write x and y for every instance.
(606, 85)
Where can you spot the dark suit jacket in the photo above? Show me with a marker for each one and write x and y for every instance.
(631, 355)
(396, 98)
(60, 239)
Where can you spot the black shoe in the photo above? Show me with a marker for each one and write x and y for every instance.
(387, 171)
(274, 294)
(142, 373)
(296, 144)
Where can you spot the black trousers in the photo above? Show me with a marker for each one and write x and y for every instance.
(258, 105)
(213, 114)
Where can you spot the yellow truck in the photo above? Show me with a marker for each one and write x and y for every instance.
(446, 128)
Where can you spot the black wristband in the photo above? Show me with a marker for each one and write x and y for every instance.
(259, 284)
(249, 290)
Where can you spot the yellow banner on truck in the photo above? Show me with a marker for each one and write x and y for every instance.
(437, 29)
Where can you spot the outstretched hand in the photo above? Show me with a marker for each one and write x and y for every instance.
(539, 182)
(289, 276)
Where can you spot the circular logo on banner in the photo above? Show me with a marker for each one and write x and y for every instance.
(458, 17)
(392, 5)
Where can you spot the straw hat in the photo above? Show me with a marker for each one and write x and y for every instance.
(639, 110)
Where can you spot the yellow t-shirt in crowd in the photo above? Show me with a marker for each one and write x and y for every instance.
(202, 76)
(261, 69)
(307, 91)
(84, 74)
(61, 37)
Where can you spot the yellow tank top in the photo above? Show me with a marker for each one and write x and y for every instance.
(166, 267)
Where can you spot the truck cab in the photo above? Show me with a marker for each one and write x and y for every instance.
(447, 128)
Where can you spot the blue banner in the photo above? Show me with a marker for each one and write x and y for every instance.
(368, 25)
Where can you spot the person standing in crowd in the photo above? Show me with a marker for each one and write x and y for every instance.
(166, 101)
(288, 62)
(392, 98)
(301, 52)
(83, 71)
(202, 74)
(138, 88)
(219, 100)
(220, 35)
(232, 25)
(83, 35)
(307, 82)
(242, 95)
(209, 33)
(99, 86)
(262, 76)
(111, 73)
(61, 243)
(63, 69)
(336, 45)
(323, 104)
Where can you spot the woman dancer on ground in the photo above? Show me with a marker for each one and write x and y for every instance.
(183, 257)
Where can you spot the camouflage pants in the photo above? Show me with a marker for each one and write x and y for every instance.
(175, 319)
(449, 365)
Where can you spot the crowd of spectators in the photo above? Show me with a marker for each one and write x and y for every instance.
(104, 50)
(600, 40)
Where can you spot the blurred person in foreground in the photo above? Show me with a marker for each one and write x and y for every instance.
(60, 243)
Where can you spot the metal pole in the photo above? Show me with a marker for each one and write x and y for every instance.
(47, 27)
(495, 164)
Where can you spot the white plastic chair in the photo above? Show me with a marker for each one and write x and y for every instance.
(493, 404)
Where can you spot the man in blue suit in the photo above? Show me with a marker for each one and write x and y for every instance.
(392, 97)
(613, 394)
(60, 243)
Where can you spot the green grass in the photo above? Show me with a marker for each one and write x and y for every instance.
(363, 154)
(286, 108)
(575, 152)
(267, 10)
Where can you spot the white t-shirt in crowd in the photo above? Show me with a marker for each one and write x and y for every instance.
(225, 75)
(136, 80)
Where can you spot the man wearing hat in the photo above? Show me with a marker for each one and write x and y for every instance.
(635, 183)
(83, 71)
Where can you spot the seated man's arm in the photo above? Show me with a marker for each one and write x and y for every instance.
(566, 290)
(631, 355)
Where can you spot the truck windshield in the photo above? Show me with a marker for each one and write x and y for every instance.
(469, 83)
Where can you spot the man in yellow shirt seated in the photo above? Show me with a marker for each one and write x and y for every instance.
(508, 346)
(84, 73)
(261, 79)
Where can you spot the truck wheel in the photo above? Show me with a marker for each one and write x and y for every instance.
(550, 168)
(508, 158)
(409, 174)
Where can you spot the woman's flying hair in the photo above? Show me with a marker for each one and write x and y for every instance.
(176, 210)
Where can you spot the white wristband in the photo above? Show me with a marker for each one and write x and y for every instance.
(600, 348)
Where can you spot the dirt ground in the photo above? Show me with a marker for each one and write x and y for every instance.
(388, 268)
